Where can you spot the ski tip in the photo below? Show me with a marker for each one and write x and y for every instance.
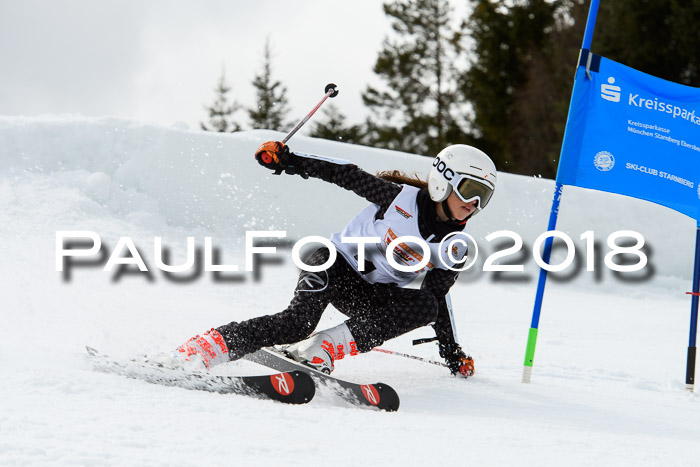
(305, 382)
(388, 398)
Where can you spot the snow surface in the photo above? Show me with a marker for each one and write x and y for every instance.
(608, 380)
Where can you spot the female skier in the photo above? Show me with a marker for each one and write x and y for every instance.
(372, 292)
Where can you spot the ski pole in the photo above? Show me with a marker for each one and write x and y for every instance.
(331, 91)
(405, 355)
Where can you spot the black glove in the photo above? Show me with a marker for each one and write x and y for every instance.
(276, 156)
(459, 363)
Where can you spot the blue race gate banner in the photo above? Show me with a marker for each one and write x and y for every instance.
(633, 134)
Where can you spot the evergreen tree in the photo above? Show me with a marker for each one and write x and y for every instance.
(417, 110)
(271, 106)
(521, 78)
(510, 82)
(333, 127)
(541, 102)
(221, 111)
(659, 37)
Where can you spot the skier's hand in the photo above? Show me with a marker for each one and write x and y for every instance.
(276, 156)
(463, 366)
(459, 363)
(273, 155)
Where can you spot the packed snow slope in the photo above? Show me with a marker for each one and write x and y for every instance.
(608, 382)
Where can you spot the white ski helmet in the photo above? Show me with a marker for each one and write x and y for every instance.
(467, 171)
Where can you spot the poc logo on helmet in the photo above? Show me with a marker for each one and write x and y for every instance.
(609, 92)
(441, 167)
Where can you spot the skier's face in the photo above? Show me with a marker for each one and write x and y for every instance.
(459, 209)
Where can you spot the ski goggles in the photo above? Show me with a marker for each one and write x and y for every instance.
(469, 188)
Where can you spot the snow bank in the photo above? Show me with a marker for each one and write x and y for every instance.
(173, 181)
(607, 386)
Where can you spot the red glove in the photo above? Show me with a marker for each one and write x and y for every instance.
(465, 368)
(459, 363)
(273, 155)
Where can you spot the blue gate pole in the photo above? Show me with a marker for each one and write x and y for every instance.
(695, 294)
(553, 215)
(590, 25)
(534, 326)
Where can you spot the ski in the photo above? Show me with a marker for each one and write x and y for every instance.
(291, 387)
(379, 395)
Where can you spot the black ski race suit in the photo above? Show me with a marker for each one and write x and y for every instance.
(377, 312)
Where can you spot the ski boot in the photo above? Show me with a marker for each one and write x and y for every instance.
(322, 349)
(203, 352)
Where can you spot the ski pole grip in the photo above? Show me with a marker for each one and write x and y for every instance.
(333, 87)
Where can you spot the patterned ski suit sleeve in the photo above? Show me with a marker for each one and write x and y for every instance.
(351, 177)
(439, 282)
